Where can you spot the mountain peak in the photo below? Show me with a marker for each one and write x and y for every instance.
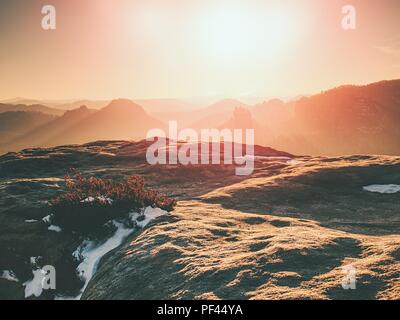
(121, 105)
(82, 110)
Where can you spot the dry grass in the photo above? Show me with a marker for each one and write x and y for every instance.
(283, 233)
(206, 251)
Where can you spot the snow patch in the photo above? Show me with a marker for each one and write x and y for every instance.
(101, 198)
(47, 219)
(149, 215)
(383, 188)
(54, 228)
(30, 220)
(91, 252)
(8, 275)
(34, 287)
(34, 260)
(88, 199)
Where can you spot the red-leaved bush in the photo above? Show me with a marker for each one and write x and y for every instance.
(89, 203)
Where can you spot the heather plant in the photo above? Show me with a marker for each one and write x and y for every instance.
(90, 203)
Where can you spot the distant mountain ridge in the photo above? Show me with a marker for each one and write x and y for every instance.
(121, 119)
(352, 119)
(31, 107)
(16, 123)
(40, 136)
(344, 120)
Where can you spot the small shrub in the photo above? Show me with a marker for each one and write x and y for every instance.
(90, 203)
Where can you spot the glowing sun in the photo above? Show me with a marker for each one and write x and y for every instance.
(236, 32)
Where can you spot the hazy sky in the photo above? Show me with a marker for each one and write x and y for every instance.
(191, 48)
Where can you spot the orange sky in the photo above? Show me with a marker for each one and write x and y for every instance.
(106, 49)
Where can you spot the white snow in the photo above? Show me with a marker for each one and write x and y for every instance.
(30, 221)
(8, 275)
(383, 188)
(34, 287)
(105, 199)
(34, 260)
(91, 253)
(89, 199)
(101, 198)
(150, 214)
(47, 219)
(54, 228)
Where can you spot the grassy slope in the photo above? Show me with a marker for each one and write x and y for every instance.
(261, 238)
(205, 251)
(283, 233)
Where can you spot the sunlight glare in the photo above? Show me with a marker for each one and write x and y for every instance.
(235, 33)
